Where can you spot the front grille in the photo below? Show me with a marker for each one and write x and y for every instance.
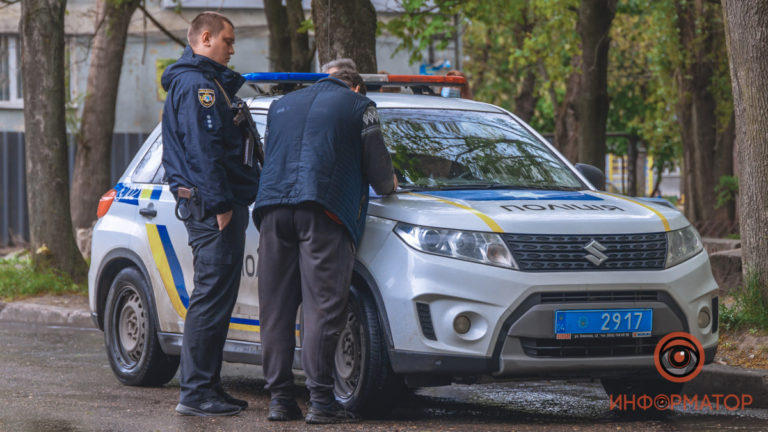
(599, 296)
(589, 347)
(544, 252)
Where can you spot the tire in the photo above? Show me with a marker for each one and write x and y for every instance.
(130, 334)
(651, 386)
(364, 380)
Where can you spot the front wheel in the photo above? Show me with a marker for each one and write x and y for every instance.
(130, 334)
(364, 380)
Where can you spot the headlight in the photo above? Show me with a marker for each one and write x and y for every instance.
(465, 245)
(682, 244)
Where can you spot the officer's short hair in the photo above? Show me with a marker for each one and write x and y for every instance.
(208, 20)
(342, 63)
(351, 77)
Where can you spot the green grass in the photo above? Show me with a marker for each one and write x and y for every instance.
(18, 279)
(749, 309)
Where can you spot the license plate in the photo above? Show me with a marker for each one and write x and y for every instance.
(594, 323)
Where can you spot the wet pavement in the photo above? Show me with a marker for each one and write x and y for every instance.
(59, 380)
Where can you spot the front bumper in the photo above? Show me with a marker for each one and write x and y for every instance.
(509, 317)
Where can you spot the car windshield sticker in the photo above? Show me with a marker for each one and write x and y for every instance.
(505, 195)
(206, 97)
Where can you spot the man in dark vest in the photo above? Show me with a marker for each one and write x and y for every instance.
(323, 148)
(208, 174)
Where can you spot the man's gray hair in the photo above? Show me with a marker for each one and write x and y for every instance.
(342, 63)
(351, 77)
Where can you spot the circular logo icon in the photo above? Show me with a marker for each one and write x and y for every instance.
(679, 357)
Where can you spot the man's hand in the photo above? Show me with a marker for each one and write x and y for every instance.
(394, 176)
(223, 219)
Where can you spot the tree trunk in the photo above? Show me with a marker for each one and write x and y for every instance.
(279, 39)
(91, 175)
(526, 98)
(525, 101)
(346, 29)
(707, 145)
(595, 17)
(567, 135)
(42, 64)
(747, 41)
(288, 48)
(301, 54)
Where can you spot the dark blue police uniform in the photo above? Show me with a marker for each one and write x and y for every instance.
(202, 150)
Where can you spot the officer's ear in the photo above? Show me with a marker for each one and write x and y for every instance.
(205, 38)
(356, 89)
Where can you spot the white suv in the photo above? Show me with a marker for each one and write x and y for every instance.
(495, 259)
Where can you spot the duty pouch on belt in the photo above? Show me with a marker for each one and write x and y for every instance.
(193, 207)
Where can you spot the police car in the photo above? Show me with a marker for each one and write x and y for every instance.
(496, 259)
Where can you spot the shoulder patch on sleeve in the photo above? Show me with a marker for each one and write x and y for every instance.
(370, 117)
(206, 97)
(370, 121)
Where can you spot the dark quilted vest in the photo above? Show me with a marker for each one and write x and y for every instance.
(313, 152)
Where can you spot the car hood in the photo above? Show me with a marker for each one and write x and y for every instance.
(529, 211)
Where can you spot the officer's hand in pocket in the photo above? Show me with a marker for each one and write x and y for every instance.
(223, 219)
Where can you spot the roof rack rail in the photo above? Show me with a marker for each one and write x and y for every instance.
(369, 79)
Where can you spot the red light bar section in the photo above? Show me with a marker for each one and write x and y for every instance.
(428, 80)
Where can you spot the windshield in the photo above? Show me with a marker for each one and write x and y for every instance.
(452, 149)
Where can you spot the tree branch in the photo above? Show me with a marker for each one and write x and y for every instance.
(162, 27)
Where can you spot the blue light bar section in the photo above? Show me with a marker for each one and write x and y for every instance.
(284, 77)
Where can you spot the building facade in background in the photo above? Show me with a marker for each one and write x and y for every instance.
(140, 97)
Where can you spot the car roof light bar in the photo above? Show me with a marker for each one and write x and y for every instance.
(417, 80)
(371, 79)
(284, 77)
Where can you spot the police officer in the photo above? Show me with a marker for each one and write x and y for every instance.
(323, 148)
(204, 160)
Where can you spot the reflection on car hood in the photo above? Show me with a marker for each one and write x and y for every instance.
(529, 211)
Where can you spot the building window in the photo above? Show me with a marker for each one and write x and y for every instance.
(10, 71)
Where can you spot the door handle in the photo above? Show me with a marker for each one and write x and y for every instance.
(149, 212)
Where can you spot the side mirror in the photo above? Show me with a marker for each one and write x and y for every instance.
(593, 174)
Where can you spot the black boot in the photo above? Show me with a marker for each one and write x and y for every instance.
(332, 412)
(228, 398)
(283, 410)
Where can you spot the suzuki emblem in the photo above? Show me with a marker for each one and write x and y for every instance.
(595, 255)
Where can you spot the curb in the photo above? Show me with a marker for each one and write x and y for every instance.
(721, 379)
(714, 378)
(23, 312)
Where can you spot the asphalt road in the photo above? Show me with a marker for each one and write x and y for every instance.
(59, 380)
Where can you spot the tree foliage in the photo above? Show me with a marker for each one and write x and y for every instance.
(518, 49)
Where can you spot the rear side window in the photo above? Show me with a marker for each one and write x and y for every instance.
(147, 170)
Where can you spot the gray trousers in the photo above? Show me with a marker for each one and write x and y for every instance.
(218, 261)
(304, 258)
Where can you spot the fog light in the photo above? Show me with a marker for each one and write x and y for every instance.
(704, 318)
(461, 324)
